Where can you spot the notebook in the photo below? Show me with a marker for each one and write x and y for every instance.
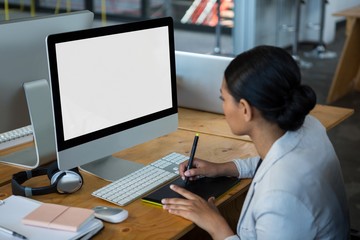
(60, 217)
(15, 208)
(204, 187)
(198, 79)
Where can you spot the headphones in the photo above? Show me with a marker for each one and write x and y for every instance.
(67, 181)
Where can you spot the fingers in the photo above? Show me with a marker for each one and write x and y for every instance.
(212, 204)
(200, 168)
(178, 206)
(189, 198)
(193, 207)
(180, 202)
(183, 192)
(182, 169)
(211, 201)
(184, 211)
(193, 172)
(182, 207)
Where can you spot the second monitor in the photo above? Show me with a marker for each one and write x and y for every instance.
(23, 59)
(199, 78)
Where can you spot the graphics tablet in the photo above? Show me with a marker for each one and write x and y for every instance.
(204, 187)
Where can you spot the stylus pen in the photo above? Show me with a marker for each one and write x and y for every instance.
(192, 155)
(12, 233)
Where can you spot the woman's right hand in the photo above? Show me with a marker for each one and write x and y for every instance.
(202, 168)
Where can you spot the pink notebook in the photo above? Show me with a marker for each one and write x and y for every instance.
(60, 217)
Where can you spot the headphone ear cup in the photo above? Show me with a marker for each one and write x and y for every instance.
(67, 181)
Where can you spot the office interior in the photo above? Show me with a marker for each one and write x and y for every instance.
(234, 38)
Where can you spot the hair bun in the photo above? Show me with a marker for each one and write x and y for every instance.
(299, 103)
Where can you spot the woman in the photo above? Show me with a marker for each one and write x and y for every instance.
(297, 191)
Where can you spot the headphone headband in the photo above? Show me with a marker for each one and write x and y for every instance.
(61, 181)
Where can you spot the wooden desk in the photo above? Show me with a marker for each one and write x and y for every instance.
(211, 123)
(347, 74)
(148, 221)
(214, 124)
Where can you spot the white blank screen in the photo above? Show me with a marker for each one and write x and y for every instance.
(105, 81)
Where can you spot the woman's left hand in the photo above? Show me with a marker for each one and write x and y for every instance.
(203, 213)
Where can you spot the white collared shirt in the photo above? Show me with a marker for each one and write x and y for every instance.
(298, 191)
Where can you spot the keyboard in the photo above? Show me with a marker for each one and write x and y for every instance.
(16, 137)
(131, 187)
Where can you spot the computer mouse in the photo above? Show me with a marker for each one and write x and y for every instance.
(111, 214)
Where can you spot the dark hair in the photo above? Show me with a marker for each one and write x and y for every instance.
(270, 80)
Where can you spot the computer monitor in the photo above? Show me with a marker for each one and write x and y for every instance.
(199, 78)
(23, 59)
(112, 88)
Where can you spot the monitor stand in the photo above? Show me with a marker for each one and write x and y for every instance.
(24, 158)
(40, 110)
(111, 168)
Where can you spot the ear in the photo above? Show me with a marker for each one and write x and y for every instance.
(246, 109)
